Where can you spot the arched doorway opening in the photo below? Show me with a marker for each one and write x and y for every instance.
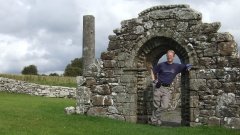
(149, 55)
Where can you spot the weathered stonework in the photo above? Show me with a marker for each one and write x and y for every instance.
(16, 86)
(209, 93)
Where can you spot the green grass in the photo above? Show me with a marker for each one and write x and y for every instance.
(30, 115)
(44, 80)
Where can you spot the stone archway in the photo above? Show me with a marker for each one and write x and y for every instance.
(148, 56)
(117, 86)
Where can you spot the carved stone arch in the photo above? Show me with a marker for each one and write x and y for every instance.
(184, 49)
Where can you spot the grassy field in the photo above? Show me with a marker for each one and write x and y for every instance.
(44, 80)
(29, 115)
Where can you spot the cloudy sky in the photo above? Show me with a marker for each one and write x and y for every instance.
(48, 33)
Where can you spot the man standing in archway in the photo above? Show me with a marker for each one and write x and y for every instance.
(166, 71)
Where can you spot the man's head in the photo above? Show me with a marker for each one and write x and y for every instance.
(170, 56)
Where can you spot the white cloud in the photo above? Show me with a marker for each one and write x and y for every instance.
(49, 33)
(15, 53)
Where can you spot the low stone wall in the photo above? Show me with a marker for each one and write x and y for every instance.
(15, 86)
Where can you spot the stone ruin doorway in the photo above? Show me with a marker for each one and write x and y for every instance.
(118, 86)
(149, 54)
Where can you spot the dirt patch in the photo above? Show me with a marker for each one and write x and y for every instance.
(172, 118)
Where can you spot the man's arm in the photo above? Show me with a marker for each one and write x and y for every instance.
(153, 77)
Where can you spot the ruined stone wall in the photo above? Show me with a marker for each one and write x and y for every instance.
(15, 86)
(121, 87)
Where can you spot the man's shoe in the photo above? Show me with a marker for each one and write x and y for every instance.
(157, 124)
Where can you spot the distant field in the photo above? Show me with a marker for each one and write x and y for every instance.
(44, 80)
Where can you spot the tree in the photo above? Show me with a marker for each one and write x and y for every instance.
(30, 70)
(74, 69)
(53, 74)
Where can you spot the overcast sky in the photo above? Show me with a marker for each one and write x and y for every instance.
(48, 33)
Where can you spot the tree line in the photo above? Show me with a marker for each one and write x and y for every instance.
(73, 69)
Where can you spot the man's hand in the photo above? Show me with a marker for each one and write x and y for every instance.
(155, 81)
(188, 66)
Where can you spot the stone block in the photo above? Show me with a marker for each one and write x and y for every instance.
(98, 111)
(121, 97)
(222, 62)
(69, 110)
(193, 93)
(206, 74)
(112, 110)
(225, 111)
(204, 90)
(214, 84)
(80, 80)
(83, 94)
(194, 101)
(80, 109)
(118, 89)
(222, 107)
(131, 88)
(196, 83)
(194, 114)
(109, 63)
(194, 124)
(128, 79)
(130, 37)
(233, 60)
(131, 119)
(229, 87)
(203, 120)
(208, 97)
(116, 116)
(112, 45)
(112, 37)
(122, 56)
(108, 101)
(119, 107)
(192, 74)
(227, 48)
(214, 121)
(90, 82)
(148, 25)
(98, 100)
(182, 26)
(110, 81)
(231, 122)
(206, 113)
(109, 55)
(118, 72)
(220, 73)
(221, 37)
(210, 102)
(130, 109)
(109, 73)
(121, 64)
(211, 51)
(210, 27)
(231, 77)
(131, 98)
(63, 93)
(138, 30)
(101, 89)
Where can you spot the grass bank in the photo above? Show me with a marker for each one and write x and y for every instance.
(44, 80)
(29, 115)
